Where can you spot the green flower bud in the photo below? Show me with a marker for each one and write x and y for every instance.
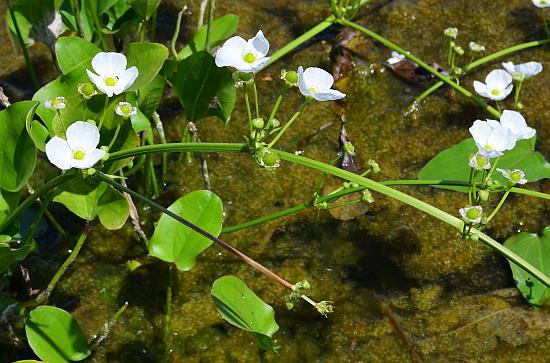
(246, 77)
(484, 195)
(258, 123)
(367, 196)
(291, 77)
(458, 50)
(91, 122)
(289, 305)
(86, 90)
(374, 166)
(322, 205)
(349, 148)
(275, 123)
(271, 159)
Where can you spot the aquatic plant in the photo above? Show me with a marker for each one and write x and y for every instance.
(115, 106)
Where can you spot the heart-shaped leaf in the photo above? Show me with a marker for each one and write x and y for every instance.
(175, 242)
(452, 163)
(535, 250)
(55, 336)
(74, 53)
(148, 58)
(113, 209)
(17, 151)
(242, 308)
(203, 88)
(145, 8)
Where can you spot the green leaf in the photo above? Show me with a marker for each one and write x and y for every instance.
(174, 242)
(148, 58)
(7, 258)
(17, 151)
(81, 197)
(145, 8)
(55, 336)
(222, 28)
(452, 163)
(535, 250)
(203, 88)
(104, 5)
(242, 308)
(113, 209)
(8, 202)
(74, 53)
(38, 133)
(150, 95)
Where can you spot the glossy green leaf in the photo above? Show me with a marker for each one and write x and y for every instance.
(242, 308)
(74, 53)
(104, 5)
(7, 258)
(174, 242)
(222, 28)
(81, 197)
(38, 133)
(113, 209)
(8, 202)
(150, 95)
(55, 336)
(535, 250)
(148, 58)
(203, 88)
(17, 151)
(145, 8)
(452, 163)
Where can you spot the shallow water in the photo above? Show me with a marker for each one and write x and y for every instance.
(450, 296)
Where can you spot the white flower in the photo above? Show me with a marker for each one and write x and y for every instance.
(471, 214)
(480, 161)
(477, 48)
(125, 109)
(516, 176)
(492, 138)
(541, 3)
(515, 122)
(57, 103)
(497, 86)
(112, 77)
(522, 71)
(245, 56)
(316, 82)
(79, 150)
(451, 32)
(395, 58)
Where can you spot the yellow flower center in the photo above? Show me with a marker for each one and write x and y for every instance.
(249, 58)
(472, 214)
(126, 109)
(480, 161)
(111, 81)
(79, 155)
(56, 102)
(312, 90)
(515, 176)
(495, 92)
(488, 147)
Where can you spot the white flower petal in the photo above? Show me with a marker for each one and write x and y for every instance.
(100, 83)
(231, 52)
(516, 123)
(260, 43)
(258, 65)
(530, 69)
(91, 157)
(509, 67)
(82, 136)
(108, 64)
(302, 82)
(126, 79)
(481, 89)
(502, 139)
(328, 95)
(480, 131)
(498, 79)
(59, 153)
(318, 79)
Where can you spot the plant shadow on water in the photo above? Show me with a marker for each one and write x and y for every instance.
(450, 295)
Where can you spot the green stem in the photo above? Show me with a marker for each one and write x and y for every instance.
(209, 26)
(518, 91)
(168, 316)
(422, 64)
(97, 24)
(104, 113)
(482, 61)
(545, 23)
(160, 129)
(76, 11)
(44, 295)
(502, 200)
(256, 101)
(23, 46)
(289, 123)
(248, 110)
(200, 231)
(104, 332)
(36, 221)
(277, 104)
(115, 136)
(55, 223)
(40, 192)
(175, 35)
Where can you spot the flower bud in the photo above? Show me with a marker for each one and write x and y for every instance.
(451, 32)
(374, 166)
(91, 122)
(458, 50)
(271, 159)
(290, 77)
(484, 195)
(349, 148)
(246, 77)
(258, 123)
(275, 123)
(86, 90)
(367, 196)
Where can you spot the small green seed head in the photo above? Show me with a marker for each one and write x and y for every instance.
(258, 123)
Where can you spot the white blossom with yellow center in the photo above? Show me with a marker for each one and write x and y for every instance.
(245, 56)
(498, 85)
(317, 83)
(112, 77)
